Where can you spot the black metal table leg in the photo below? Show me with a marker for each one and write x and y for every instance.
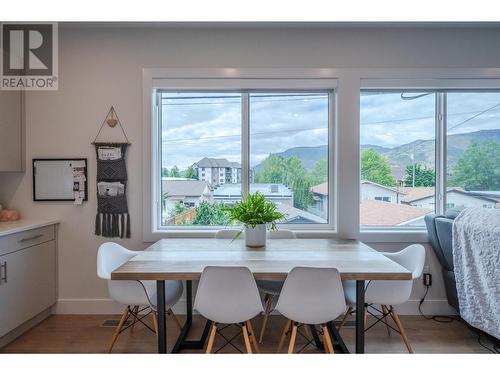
(360, 316)
(181, 342)
(315, 336)
(160, 307)
(338, 343)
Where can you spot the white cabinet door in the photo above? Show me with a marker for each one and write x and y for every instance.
(31, 284)
(11, 132)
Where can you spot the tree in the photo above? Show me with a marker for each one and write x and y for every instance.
(290, 172)
(376, 168)
(211, 214)
(320, 172)
(165, 172)
(174, 172)
(479, 167)
(191, 172)
(424, 176)
(178, 209)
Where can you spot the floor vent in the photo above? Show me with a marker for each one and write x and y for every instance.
(113, 323)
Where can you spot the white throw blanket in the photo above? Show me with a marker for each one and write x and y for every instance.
(476, 257)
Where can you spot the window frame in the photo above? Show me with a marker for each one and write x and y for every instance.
(440, 88)
(245, 87)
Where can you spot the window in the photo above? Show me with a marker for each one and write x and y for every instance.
(473, 149)
(289, 153)
(397, 130)
(202, 140)
(398, 143)
(199, 130)
(383, 199)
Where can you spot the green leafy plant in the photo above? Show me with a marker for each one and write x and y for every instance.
(255, 210)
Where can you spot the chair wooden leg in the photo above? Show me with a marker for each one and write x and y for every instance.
(253, 338)
(211, 338)
(135, 310)
(292, 338)
(395, 317)
(118, 328)
(384, 310)
(327, 341)
(155, 321)
(269, 305)
(176, 319)
(248, 346)
(283, 335)
(348, 312)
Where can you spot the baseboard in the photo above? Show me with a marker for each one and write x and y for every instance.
(26, 326)
(88, 306)
(107, 306)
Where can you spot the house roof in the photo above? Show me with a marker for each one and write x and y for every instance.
(412, 194)
(322, 189)
(381, 213)
(185, 188)
(297, 215)
(269, 190)
(217, 163)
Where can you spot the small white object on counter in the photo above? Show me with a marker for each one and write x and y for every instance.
(10, 227)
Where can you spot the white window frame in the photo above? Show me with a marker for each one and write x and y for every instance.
(350, 82)
(245, 81)
(440, 87)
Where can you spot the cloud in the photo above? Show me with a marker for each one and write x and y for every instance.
(199, 125)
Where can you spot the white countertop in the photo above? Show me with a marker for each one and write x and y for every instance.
(10, 227)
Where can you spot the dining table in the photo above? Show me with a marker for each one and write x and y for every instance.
(185, 258)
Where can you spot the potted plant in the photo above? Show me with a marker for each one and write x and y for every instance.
(256, 214)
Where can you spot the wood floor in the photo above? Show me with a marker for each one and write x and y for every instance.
(86, 334)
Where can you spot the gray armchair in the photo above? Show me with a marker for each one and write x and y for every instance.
(439, 230)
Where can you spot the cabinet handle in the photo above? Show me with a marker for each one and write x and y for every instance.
(4, 267)
(31, 238)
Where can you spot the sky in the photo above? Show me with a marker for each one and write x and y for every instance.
(197, 125)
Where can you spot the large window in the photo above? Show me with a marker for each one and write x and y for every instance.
(215, 147)
(399, 168)
(473, 150)
(397, 158)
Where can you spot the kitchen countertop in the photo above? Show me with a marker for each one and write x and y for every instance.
(10, 227)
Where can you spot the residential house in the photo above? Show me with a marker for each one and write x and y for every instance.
(231, 193)
(186, 191)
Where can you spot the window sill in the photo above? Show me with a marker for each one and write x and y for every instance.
(389, 236)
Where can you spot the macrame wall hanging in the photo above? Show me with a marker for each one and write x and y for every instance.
(112, 218)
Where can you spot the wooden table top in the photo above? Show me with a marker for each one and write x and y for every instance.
(184, 259)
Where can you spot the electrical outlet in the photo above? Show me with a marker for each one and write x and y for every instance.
(427, 278)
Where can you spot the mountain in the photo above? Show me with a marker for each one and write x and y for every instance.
(309, 155)
(400, 156)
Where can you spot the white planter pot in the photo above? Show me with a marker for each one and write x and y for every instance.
(255, 237)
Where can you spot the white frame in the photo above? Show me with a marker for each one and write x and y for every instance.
(346, 175)
(217, 80)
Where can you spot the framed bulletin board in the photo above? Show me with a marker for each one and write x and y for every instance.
(60, 180)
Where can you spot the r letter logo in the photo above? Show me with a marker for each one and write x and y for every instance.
(29, 56)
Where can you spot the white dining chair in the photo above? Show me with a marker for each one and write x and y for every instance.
(138, 296)
(311, 296)
(271, 288)
(388, 293)
(224, 234)
(229, 295)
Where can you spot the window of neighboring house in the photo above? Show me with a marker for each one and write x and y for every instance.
(473, 148)
(397, 130)
(289, 157)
